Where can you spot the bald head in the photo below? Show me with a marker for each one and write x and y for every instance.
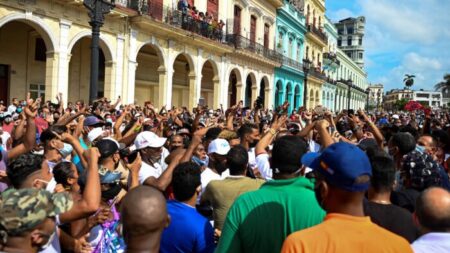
(433, 209)
(143, 212)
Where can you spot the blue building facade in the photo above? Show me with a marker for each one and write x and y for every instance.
(290, 41)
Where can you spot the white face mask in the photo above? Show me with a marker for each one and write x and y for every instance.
(51, 185)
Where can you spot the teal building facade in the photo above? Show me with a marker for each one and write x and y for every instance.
(290, 42)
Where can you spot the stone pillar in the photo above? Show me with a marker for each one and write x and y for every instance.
(118, 91)
(240, 92)
(109, 83)
(193, 97)
(64, 59)
(51, 75)
(164, 76)
(132, 65)
(217, 92)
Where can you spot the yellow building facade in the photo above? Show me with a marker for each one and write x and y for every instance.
(316, 44)
(150, 51)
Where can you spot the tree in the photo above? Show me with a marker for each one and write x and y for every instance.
(443, 84)
(408, 80)
(400, 104)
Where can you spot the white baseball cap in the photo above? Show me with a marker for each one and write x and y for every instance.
(219, 146)
(148, 139)
(95, 133)
(395, 116)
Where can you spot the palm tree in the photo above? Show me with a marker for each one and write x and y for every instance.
(408, 80)
(443, 84)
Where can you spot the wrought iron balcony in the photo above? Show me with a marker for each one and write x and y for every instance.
(240, 42)
(330, 59)
(318, 32)
(314, 71)
(208, 28)
(286, 61)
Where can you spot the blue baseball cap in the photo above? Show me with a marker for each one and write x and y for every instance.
(341, 164)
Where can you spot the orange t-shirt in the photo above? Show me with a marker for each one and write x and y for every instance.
(346, 234)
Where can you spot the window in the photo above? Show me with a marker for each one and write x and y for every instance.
(349, 41)
(360, 41)
(360, 55)
(339, 42)
(40, 50)
(37, 90)
(350, 30)
(266, 35)
(253, 29)
(299, 47)
(289, 52)
(340, 31)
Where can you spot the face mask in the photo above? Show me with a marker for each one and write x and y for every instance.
(49, 242)
(19, 110)
(111, 193)
(51, 185)
(199, 161)
(420, 149)
(109, 120)
(66, 150)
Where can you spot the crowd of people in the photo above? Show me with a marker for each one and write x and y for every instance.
(204, 23)
(112, 177)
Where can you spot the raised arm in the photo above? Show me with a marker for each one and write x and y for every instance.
(265, 141)
(90, 201)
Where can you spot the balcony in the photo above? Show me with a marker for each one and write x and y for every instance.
(318, 33)
(331, 59)
(314, 71)
(240, 42)
(206, 27)
(286, 61)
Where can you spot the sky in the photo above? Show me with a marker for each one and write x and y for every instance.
(401, 37)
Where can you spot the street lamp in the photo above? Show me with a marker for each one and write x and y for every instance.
(97, 10)
(350, 85)
(306, 68)
(367, 103)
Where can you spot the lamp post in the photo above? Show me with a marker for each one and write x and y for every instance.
(97, 10)
(367, 103)
(306, 67)
(350, 84)
(378, 99)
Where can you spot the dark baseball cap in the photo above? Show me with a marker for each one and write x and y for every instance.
(93, 121)
(107, 147)
(341, 164)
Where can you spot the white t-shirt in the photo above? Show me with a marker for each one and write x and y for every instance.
(165, 153)
(147, 171)
(252, 158)
(262, 162)
(5, 137)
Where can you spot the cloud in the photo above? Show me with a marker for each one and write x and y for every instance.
(340, 14)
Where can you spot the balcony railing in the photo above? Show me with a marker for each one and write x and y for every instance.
(330, 58)
(240, 42)
(291, 63)
(313, 71)
(318, 32)
(207, 27)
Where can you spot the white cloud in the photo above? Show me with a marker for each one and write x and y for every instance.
(340, 14)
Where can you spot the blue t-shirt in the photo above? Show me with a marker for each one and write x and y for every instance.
(76, 159)
(188, 231)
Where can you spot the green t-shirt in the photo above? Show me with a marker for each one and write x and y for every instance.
(260, 221)
(222, 193)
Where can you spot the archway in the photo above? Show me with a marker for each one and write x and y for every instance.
(311, 99)
(80, 70)
(250, 90)
(317, 98)
(297, 96)
(183, 82)
(24, 61)
(264, 91)
(288, 96)
(210, 84)
(278, 93)
(150, 67)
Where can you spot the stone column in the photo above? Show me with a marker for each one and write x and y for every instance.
(193, 98)
(132, 65)
(64, 59)
(109, 84)
(51, 75)
(118, 90)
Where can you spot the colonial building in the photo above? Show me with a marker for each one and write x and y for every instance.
(290, 38)
(330, 66)
(376, 92)
(351, 92)
(351, 34)
(433, 99)
(395, 95)
(316, 43)
(150, 51)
